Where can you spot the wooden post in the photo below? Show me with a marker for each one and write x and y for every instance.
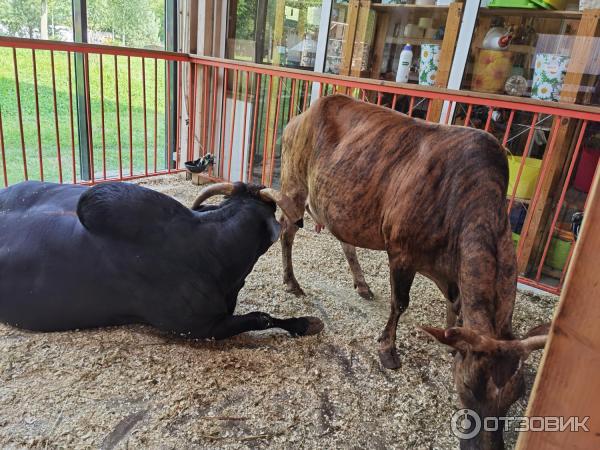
(360, 38)
(272, 106)
(383, 23)
(567, 383)
(538, 215)
(453, 19)
(348, 48)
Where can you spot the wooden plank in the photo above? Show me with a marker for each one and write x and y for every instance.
(540, 212)
(446, 55)
(589, 27)
(359, 55)
(383, 23)
(567, 383)
(348, 48)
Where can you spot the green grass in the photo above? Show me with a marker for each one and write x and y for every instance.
(10, 116)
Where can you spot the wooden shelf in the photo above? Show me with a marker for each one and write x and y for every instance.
(535, 13)
(415, 8)
(412, 41)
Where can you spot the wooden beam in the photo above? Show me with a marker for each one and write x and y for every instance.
(589, 27)
(360, 52)
(453, 20)
(383, 23)
(567, 383)
(348, 46)
(539, 213)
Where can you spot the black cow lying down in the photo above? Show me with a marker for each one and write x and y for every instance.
(75, 257)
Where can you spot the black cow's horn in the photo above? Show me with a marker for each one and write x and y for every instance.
(213, 189)
(283, 201)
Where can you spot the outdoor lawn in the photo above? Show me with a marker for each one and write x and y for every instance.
(105, 143)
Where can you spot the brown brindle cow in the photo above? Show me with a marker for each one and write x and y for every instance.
(433, 197)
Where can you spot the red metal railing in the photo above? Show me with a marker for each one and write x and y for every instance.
(238, 112)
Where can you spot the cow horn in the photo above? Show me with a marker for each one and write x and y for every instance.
(282, 200)
(213, 189)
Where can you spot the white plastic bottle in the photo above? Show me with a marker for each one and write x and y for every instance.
(404, 65)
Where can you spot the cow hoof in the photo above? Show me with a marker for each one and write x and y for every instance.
(307, 326)
(389, 358)
(294, 289)
(365, 292)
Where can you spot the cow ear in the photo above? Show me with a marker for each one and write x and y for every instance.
(274, 229)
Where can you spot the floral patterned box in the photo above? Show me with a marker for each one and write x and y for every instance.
(548, 76)
(428, 64)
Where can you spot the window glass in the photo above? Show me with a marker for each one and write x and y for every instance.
(278, 32)
(131, 23)
(37, 19)
(526, 52)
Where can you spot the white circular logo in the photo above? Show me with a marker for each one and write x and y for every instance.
(466, 424)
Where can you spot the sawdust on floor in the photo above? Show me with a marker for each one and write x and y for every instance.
(134, 387)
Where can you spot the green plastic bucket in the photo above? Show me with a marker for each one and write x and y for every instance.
(558, 252)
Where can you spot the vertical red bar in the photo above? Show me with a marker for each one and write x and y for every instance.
(561, 200)
(145, 116)
(88, 103)
(489, 119)
(213, 118)
(169, 151)
(101, 61)
(56, 126)
(508, 126)
(379, 98)
(130, 119)
(320, 89)
(3, 150)
(156, 112)
(37, 114)
(292, 100)
(264, 163)
(394, 101)
(118, 111)
(428, 110)
(275, 132)
(306, 83)
(448, 111)
(244, 127)
(192, 111)
(468, 116)
(18, 92)
(71, 119)
(523, 159)
(205, 111)
(257, 78)
(178, 67)
(411, 105)
(223, 119)
(234, 107)
(547, 157)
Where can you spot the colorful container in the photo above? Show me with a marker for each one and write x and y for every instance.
(491, 70)
(529, 176)
(428, 64)
(586, 167)
(558, 252)
(515, 239)
(548, 76)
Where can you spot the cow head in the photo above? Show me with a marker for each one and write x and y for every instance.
(488, 376)
(265, 198)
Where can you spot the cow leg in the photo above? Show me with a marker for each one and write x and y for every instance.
(401, 280)
(287, 241)
(233, 325)
(360, 284)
